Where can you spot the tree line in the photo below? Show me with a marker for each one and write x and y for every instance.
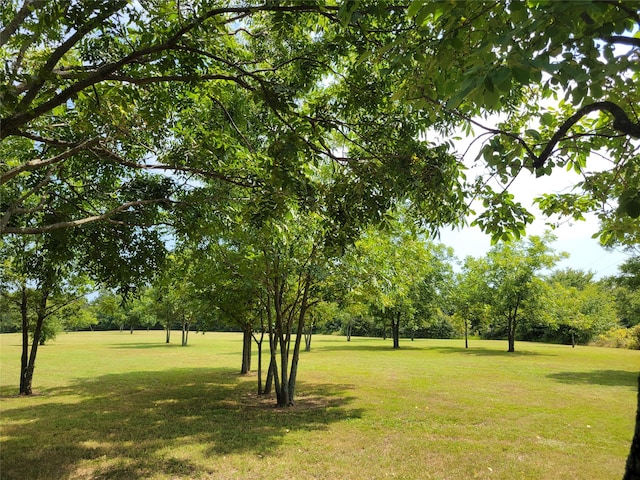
(395, 284)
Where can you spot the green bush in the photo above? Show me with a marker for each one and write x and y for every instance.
(619, 338)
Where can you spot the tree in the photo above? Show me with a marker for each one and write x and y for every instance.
(79, 315)
(43, 271)
(470, 308)
(397, 272)
(110, 310)
(268, 272)
(628, 291)
(228, 282)
(434, 294)
(572, 314)
(9, 314)
(99, 96)
(35, 270)
(138, 310)
(91, 104)
(509, 281)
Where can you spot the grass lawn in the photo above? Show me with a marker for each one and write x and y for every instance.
(111, 405)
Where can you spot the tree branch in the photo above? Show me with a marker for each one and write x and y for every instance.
(247, 182)
(34, 88)
(16, 209)
(233, 123)
(36, 164)
(81, 221)
(177, 78)
(621, 122)
(621, 40)
(21, 15)
(9, 125)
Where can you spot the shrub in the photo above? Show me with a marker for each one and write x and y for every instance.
(619, 338)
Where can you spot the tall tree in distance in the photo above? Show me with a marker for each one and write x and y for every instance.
(509, 280)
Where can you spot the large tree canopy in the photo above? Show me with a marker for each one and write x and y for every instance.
(110, 109)
(544, 84)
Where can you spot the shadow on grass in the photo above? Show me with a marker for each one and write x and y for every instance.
(350, 346)
(407, 345)
(614, 378)
(128, 425)
(141, 346)
(490, 352)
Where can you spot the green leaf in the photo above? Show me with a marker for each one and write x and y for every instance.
(633, 208)
(547, 119)
(414, 7)
(534, 134)
(488, 83)
(521, 73)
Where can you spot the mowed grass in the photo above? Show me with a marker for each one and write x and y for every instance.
(111, 405)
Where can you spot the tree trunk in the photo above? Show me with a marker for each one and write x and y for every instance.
(246, 349)
(395, 330)
(27, 373)
(274, 379)
(260, 391)
(512, 320)
(282, 387)
(25, 342)
(296, 349)
(349, 331)
(511, 339)
(268, 384)
(131, 329)
(307, 337)
(466, 334)
(632, 469)
(259, 345)
(168, 330)
(185, 333)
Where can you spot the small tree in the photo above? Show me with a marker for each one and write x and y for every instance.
(400, 275)
(508, 281)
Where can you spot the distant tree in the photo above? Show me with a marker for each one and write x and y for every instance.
(110, 310)
(627, 305)
(509, 283)
(570, 277)
(9, 314)
(79, 315)
(138, 310)
(434, 293)
(471, 309)
(626, 290)
(398, 272)
(571, 314)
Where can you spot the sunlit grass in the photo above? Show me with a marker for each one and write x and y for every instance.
(115, 405)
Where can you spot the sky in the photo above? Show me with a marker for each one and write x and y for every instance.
(585, 253)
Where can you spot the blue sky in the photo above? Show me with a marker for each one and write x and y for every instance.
(585, 253)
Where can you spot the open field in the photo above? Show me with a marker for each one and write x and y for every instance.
(111, 405)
